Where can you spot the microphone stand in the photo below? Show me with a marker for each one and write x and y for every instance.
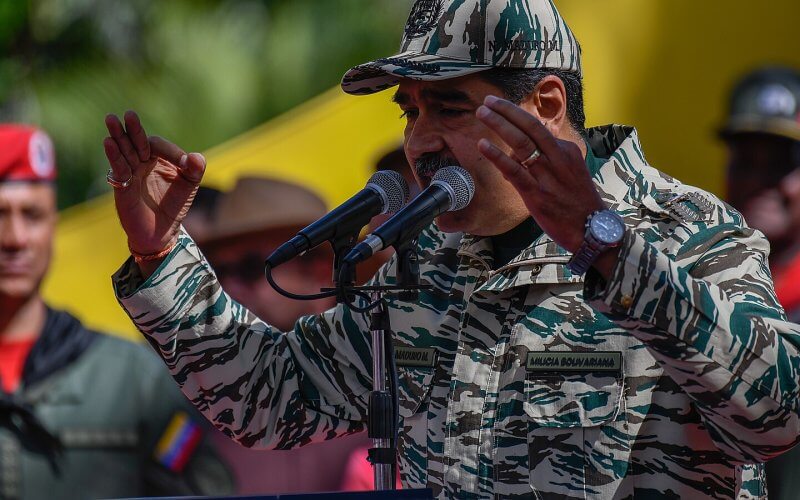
(383, 414)
(381, 422)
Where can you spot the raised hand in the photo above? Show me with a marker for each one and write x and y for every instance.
(554, 183)
(154, 184)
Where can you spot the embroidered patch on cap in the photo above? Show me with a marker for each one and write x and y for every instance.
(560, 361)
(415, 356)
(423, 17)
(41, 155)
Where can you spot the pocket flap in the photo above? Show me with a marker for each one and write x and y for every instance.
(414, 389)
(575, 400)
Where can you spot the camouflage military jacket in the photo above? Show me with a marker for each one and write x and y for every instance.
(673, 379)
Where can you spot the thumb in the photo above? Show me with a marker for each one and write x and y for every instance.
(192, 167)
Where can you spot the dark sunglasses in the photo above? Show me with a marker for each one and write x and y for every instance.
(248, 269)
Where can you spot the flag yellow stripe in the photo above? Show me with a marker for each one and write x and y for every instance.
(173, 430)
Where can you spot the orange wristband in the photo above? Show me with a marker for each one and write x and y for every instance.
(142, 257)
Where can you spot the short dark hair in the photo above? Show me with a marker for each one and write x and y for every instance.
(518, 83)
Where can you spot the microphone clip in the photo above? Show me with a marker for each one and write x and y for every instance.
(407, 270)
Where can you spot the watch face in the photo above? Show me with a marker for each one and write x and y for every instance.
(607, 227)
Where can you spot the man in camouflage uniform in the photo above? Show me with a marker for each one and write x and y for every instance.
(666, 369)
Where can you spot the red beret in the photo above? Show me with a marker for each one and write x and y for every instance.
(26, 154)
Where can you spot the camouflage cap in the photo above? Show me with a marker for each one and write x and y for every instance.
(766, 101)
(451, 38)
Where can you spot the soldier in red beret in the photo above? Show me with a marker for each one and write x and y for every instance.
(82, 414)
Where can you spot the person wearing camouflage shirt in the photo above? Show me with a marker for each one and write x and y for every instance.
(666, 369)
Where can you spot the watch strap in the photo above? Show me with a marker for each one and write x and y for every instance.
(583, 259)
(590, 249)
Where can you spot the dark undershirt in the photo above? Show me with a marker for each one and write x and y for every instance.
(511, 243)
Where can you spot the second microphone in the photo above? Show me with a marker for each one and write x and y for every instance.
(451, 189)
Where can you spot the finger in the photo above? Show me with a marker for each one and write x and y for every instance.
(526, 122)
(119, 165)
(521, 177)
(165, 149)
(137, 135)
(192, 167)
(519, 142)
(123, 141)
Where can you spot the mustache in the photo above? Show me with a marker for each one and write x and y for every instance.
(428, 165)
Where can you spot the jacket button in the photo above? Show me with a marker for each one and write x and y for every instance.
(626, 301)
(536, 269)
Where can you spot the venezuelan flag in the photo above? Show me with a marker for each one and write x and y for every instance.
(178, 442)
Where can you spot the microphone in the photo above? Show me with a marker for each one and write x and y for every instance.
(451, 189)
(385, 192)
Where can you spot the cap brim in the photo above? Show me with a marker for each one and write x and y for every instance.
(775, 126)
(387, 72)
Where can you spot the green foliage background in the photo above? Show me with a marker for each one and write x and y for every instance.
(197, 71)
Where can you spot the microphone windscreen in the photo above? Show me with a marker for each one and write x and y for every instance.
(392, 187)
(463, 187)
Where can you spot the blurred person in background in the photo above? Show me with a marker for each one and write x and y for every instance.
(246, 225)
(82, 414)
(200, 217)
(251, 221)
(394, 159)
(763, 182)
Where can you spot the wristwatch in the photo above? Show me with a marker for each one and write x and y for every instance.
(604, 230)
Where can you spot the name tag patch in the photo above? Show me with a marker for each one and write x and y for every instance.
(415, 356)
(559, 361)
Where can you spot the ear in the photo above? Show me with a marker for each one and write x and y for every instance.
(548, 103)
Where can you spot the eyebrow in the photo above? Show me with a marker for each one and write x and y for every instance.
(400, 98)
(442, 95)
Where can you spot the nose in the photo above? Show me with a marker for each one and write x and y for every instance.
(13, 233)
(423, 136)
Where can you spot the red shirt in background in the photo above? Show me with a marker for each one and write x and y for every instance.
(787, 286)
(358, 475)
(12, 360)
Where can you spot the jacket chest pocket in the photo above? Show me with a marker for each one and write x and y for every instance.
(573, 401)
(414, 390)
(576, 433)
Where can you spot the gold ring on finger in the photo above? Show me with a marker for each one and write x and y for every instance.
(116, 184)
(527, 162)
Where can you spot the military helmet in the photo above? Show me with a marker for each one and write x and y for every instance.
(766, 101)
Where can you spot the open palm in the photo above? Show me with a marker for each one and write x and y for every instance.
(163, 180)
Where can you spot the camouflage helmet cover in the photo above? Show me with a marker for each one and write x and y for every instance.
(451, 38)
(766, 101)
